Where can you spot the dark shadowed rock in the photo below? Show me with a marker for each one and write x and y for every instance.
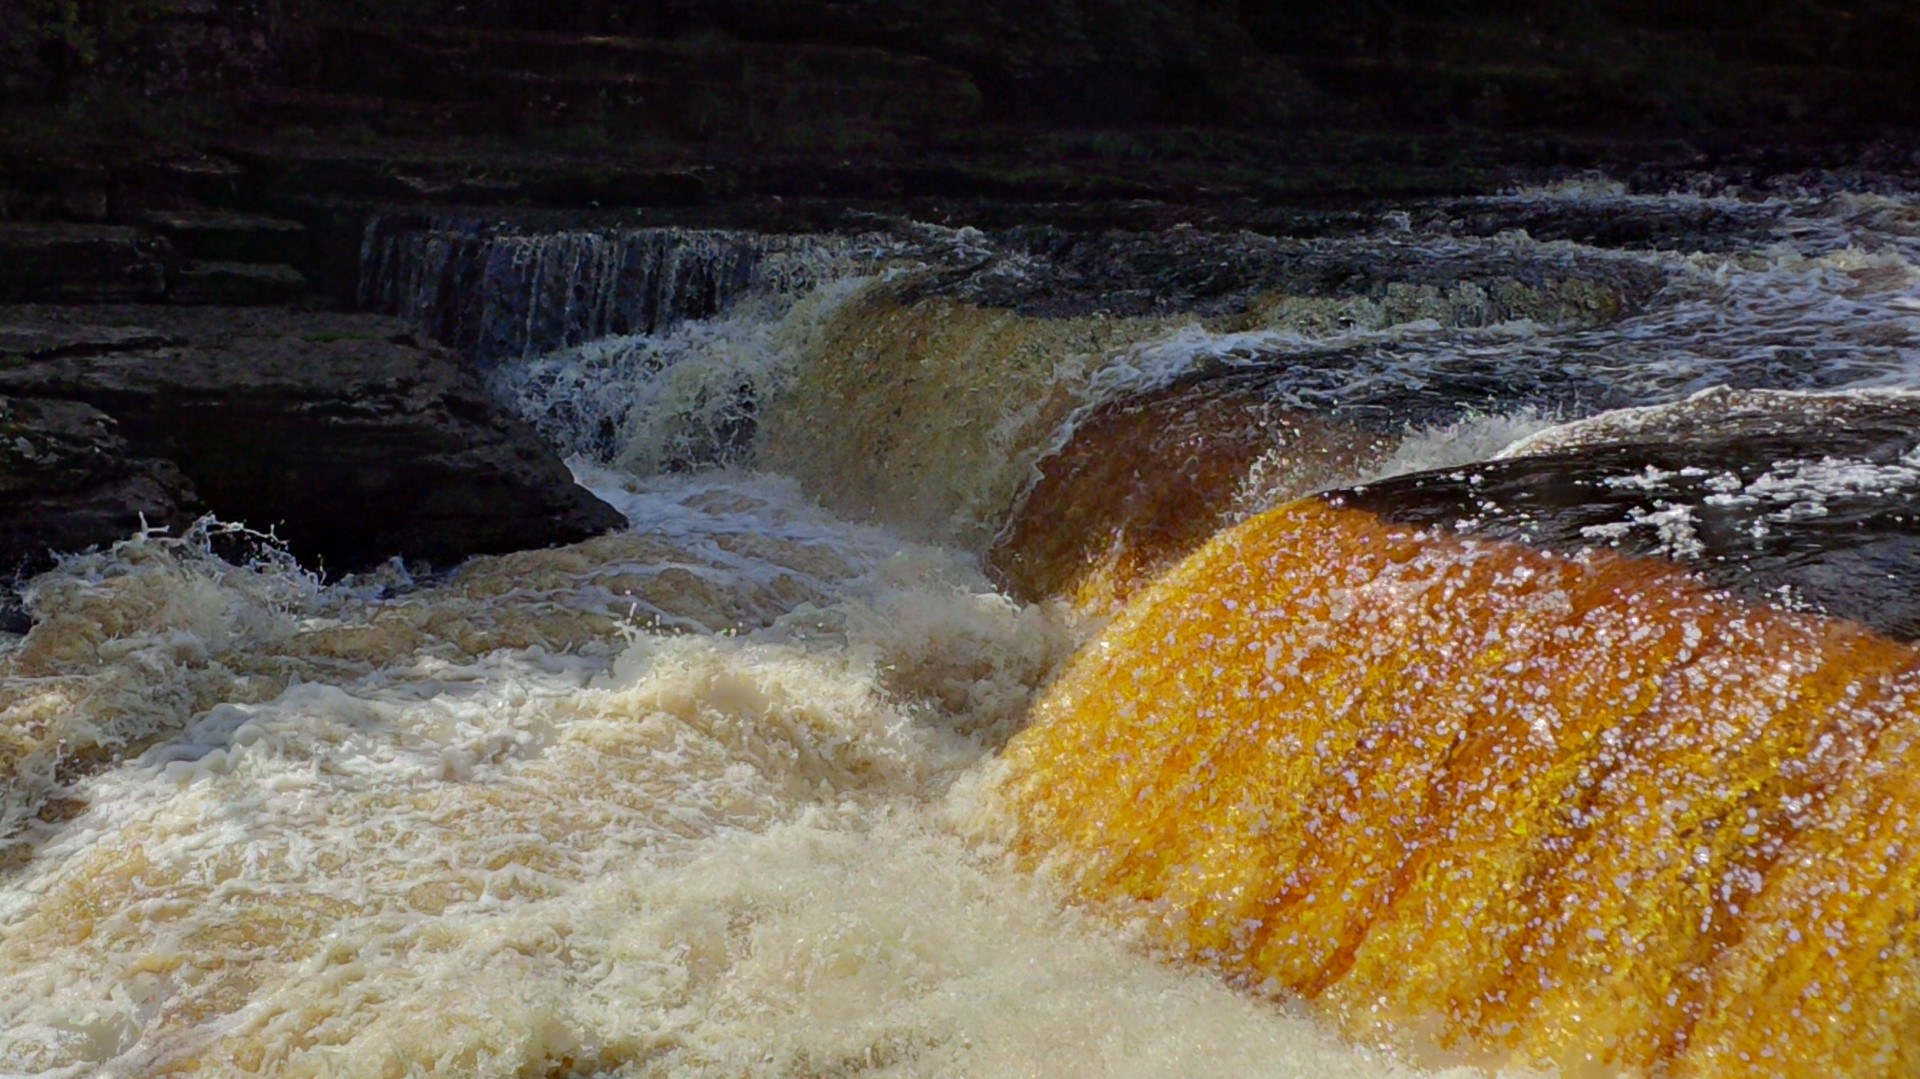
(1808, 501)
(236, 284)
(1051, 272)
(340, 431)
(68, 481)
(515, 82)
(217, 236)
(65, 263)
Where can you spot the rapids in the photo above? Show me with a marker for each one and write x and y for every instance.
(899, 735)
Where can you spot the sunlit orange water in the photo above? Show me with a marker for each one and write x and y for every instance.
(1499, 803)
(723, 795)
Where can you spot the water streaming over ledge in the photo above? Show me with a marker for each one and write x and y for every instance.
(725, 793)
(494, 289)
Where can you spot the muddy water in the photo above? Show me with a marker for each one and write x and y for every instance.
(725, 794)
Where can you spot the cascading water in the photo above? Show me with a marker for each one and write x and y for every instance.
(833, 765)
(494, 290)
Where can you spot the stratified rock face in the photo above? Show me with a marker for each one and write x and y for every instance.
(352, 441)
(62, 263)
(68, 482)
(702, 66)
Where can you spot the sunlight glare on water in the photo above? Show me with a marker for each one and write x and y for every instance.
(722, 794)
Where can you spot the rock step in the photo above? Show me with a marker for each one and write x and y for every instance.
(218, 236)
(65, 263)
(104, 183)
(236, 284)
(81, 263)
(20, 344)
(283, 107)
(400, 172)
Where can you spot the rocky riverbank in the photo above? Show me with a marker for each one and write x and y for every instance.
(346, 435)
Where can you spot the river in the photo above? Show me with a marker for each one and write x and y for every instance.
(725, 793)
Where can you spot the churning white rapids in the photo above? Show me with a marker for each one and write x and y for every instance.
(694, 799)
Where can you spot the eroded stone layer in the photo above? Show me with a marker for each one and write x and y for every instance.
(1573, 809)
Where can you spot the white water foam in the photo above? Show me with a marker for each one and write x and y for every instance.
(686, 397)
(696, 799)
(655, 854)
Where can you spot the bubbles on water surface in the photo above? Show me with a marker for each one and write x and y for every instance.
(719, 795)
(682, 399)
(445, 797)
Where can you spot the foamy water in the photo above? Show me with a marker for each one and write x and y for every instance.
(705, 797)
(700, 853)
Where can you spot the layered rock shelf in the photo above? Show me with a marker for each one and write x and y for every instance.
(342, 433)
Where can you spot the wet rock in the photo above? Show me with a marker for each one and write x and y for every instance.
(1804, 501)
(1048, 272)
(68, 481)
(340, 431)
(1644, 224)
(1858, 421)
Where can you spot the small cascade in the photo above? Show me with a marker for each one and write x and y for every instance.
(1576, 810)
(1147, 479)
(934, 415)
(1449, 650)
(928, 416)
(495, 291)
(1143, 474)
(681, 399)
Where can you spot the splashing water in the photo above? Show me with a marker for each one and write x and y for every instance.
(724, 793)
(497, 292)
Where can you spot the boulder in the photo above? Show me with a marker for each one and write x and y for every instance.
(351, 439)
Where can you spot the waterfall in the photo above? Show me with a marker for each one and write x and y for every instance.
(495, 290)
(1430, 652)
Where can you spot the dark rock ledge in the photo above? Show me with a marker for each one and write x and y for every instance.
(342, 432)
(1803, 501)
